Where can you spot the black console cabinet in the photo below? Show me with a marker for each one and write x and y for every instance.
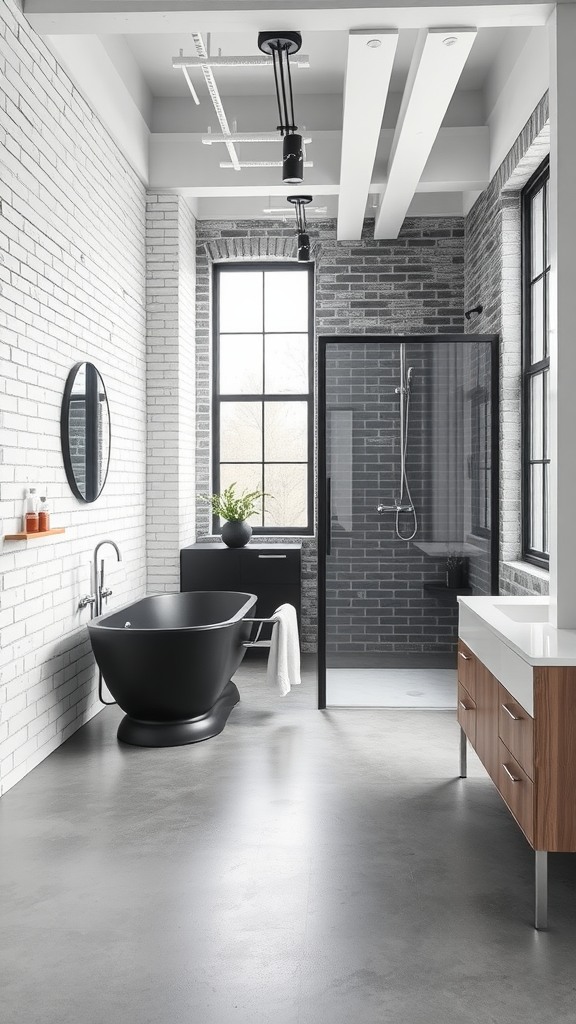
(271, 571)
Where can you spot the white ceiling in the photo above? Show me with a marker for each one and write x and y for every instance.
(327, 52)
(120, 54)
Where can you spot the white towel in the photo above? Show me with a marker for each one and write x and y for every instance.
(284, 658)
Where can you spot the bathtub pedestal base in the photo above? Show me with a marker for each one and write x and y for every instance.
(175, 734)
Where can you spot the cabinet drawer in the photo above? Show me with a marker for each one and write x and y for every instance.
(467, 668)
(517, 790)
(516, 730)
(270, 567)
(466, 713)
(210, 569)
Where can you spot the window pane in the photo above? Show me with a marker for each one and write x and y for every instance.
(546, 389)
(546, 511)
(240, 364)
(240, 301)
(536, 412)
(537, 304)
(536, 506)
(240, 431)
(288, 486)
(546, 223)
(537, 232)
(547, 314)
(286, 301)
(285, 431)
(246, 478)
(286, 364)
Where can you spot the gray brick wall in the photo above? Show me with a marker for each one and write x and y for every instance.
(413, 285)
(492, 278)
(376, 600)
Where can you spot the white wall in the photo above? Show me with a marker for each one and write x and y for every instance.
(518, 79)
(72, 276)
(171, 387)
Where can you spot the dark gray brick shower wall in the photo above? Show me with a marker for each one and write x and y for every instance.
(411, 285)
(375, 601)
(375, 595)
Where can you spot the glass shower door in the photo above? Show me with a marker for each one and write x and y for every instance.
(408, 465)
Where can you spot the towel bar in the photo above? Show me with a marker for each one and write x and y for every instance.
(256, 642)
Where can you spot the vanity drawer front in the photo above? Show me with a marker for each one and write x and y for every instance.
(272, 566)
(517, 789)
(516, 729)
(467, 713)
(467, 668)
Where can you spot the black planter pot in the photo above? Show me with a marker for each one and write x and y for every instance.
(457, 575)
(236, 534)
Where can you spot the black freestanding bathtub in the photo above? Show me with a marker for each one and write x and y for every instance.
(168, 661)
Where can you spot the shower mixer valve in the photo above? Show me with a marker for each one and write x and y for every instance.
(394, 508)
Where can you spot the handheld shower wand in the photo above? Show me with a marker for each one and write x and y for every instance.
(402, 504)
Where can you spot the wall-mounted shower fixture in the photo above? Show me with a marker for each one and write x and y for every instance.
(401, 505)
(475, 309)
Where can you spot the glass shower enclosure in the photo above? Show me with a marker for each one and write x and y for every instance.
(408, 515)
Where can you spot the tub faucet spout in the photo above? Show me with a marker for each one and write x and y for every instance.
(100, 592)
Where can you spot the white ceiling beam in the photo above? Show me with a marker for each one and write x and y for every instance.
(438, 61)
(458, 162)
(368, 71)
(154, 16)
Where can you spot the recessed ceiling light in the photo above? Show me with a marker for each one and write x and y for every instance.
(450, 40)
(374, 42)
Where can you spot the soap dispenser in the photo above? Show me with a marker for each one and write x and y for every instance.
(43, 515)
(31, 525)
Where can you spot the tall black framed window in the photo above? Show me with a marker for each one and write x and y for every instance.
(263, 389)
(536, 368)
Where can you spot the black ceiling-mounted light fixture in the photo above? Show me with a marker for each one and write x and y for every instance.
(280, 46)
(300, 203)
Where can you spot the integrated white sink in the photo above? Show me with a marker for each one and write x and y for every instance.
(523, 612)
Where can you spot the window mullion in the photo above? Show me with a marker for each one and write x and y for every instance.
(534, 505)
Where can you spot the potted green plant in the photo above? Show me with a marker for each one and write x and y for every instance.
(235, 509)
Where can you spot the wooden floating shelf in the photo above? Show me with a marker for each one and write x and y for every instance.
(29, 536)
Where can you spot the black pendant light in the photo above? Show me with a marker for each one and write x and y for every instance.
(280, 46)
(300, 203)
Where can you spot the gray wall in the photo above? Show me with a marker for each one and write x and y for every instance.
(376, 600)
(412, 285)
(493, 279)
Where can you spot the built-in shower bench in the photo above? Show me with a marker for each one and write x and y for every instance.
(517, 707)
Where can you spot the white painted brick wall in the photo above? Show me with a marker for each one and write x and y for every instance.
(72, 279)
(171, 369)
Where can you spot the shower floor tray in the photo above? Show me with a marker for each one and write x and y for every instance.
(433, 688)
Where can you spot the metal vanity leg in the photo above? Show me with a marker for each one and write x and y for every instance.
(463, 755)
(541, 889)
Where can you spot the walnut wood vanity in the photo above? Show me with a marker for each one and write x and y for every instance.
(520, 717)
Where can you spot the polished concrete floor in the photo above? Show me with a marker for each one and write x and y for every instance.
(300, 868)
(433, 688)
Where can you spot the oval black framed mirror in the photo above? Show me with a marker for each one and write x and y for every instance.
(85, 431)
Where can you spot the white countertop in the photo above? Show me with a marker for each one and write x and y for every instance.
(522, 624)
